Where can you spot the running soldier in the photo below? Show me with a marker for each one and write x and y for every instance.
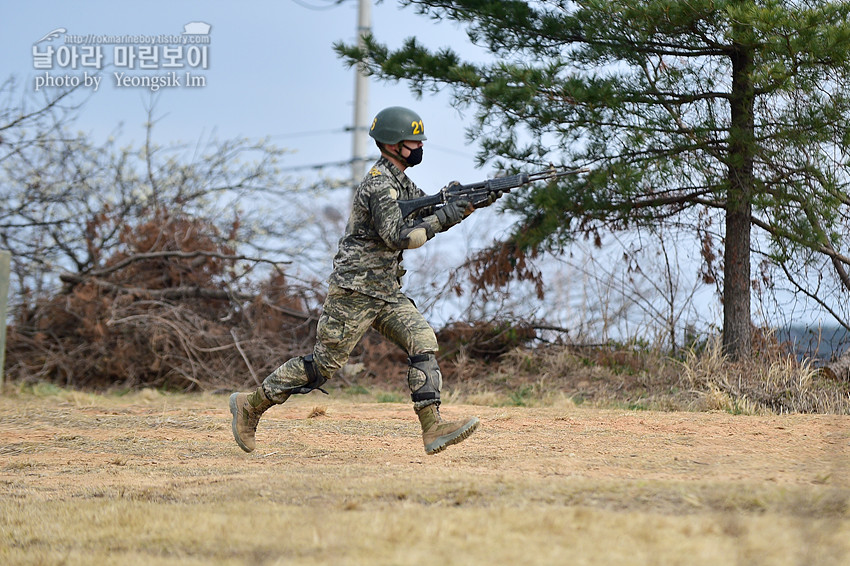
(365, 291)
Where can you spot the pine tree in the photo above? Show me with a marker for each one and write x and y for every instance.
(707, 109)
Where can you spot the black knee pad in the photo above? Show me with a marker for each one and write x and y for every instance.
(314, 377)
(424, 379)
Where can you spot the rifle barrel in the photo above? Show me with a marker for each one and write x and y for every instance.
(554, 174)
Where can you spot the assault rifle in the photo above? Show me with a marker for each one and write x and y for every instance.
(479, 193)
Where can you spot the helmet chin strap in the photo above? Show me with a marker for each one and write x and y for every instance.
(414, 158)
(389, 153)
(396, 156)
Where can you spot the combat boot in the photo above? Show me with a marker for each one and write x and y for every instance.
(438, 434)
(247, 409)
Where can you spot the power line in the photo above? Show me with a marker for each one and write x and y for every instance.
(304, 4)
(348, 162)
(311, 133)
(325, 165)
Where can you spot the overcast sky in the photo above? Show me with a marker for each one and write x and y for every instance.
(269, 70)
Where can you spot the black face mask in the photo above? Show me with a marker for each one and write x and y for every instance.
(415, 157)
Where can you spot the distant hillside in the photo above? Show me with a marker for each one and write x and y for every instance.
(821, 343)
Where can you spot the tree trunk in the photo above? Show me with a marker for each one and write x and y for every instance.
(737, 333)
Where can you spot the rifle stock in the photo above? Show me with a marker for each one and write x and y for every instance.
(408, 207)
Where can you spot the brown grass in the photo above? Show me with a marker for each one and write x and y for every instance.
(641, 378)
(148, 478)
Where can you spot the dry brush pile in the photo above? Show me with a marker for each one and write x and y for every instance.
(168, 310)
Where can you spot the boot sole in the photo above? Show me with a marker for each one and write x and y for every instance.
(235, 411)
(459, 435)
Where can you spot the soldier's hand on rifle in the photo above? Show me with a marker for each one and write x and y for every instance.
(452, 213)
(492, 197)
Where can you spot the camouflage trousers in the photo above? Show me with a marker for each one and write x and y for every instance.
(346, 316)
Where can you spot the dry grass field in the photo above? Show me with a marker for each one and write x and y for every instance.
(147, 478)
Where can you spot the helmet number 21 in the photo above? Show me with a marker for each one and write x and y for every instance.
(418, 127)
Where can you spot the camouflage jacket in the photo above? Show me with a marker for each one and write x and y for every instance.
(370, 252)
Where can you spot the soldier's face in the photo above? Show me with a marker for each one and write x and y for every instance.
(411, 152)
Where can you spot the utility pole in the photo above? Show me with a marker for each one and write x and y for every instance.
(361, 100)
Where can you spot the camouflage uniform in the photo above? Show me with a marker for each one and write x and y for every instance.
(365, 286)
(365, 291)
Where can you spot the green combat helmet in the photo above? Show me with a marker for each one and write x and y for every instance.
(395, 124)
